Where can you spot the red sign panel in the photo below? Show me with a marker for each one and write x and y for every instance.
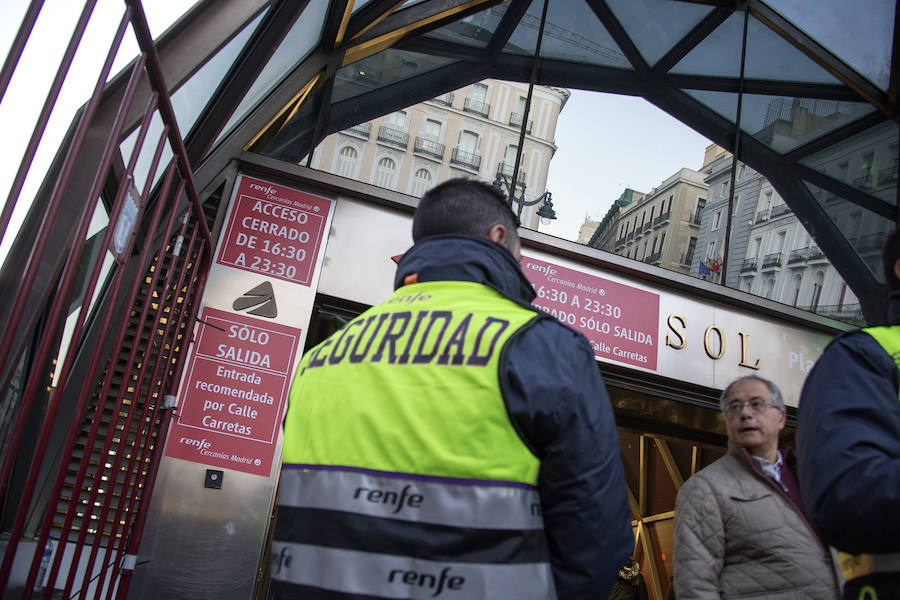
(235, 393)
(620, 321)
(274, 230)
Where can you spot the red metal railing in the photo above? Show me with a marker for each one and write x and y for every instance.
(135, 434)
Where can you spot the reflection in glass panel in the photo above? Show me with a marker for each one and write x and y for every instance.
(722, 103)
(660, 487)
(859, 32)
(189, 99)
(718, 54)
(382, 69)
(784, 123)
(358, 4)
(656, 25)
(475, 30)
(866, 161)
(865, 231)
(661, 539)
(572, 32)
(145, 157)
(770, 56)
(296, 45)
(630, 443)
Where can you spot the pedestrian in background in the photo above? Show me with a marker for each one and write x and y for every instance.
(740, 526)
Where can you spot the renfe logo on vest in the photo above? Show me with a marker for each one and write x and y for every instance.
(427, 580)
(389, 497)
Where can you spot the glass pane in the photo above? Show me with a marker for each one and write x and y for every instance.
(382, 69)
(770, 56)
(660, 487)
(296, 45)
(722, 103)
(475, 30)
(865, 231)
(860, 32)
(189, 99)
(630, 443)
(662, 545)
(682, 452)
(785, 123)
(656, 25)
(358, 4)
(709, 455)
(719, 54)
(867, 161)
(145, 158)
(572, 32)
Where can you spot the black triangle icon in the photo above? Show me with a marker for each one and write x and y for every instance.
(262, 297)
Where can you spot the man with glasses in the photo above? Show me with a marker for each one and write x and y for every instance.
(740, 526)
(848, 446)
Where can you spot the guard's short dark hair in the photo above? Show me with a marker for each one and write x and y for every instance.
(463, 206)
(889, 256)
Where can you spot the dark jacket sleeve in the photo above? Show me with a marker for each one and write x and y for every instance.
(848, 446)
(558, 401)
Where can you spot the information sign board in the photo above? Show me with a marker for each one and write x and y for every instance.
(621, 322)
(235, 392)
(274, 231)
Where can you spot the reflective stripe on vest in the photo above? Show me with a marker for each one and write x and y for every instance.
(403, 474)
(383, 576)
(858, 565)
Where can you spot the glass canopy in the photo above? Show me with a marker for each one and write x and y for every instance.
(803, 92)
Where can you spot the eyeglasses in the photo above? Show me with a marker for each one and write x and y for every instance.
(737, 407)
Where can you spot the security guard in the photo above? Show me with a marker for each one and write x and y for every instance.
(452, 441)
(848, 446)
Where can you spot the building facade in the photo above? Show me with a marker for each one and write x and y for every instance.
(660, 227)
(472, 132)
(770, 254)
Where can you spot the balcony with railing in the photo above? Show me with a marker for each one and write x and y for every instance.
(798, 256)
(849, 313)
(506, 168)
(395, 137)
(478, 107)
(467, 160)
(662, 219)
(761, 216)
(363, 129)
(655, 257)
(863, 183)
(620, 242)
(772, 260)
(445, 99)
(816, 254)
(629, 237)
(779, 210)
(888, 175)
(871, 242)
(429, 146)
(515, 120)
(748, 265)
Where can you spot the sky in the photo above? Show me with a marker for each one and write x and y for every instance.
(607, 143)
(22, 103)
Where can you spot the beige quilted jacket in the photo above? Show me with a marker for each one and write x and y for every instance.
(737, 535)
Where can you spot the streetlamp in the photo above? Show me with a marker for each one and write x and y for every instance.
(545, 212)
